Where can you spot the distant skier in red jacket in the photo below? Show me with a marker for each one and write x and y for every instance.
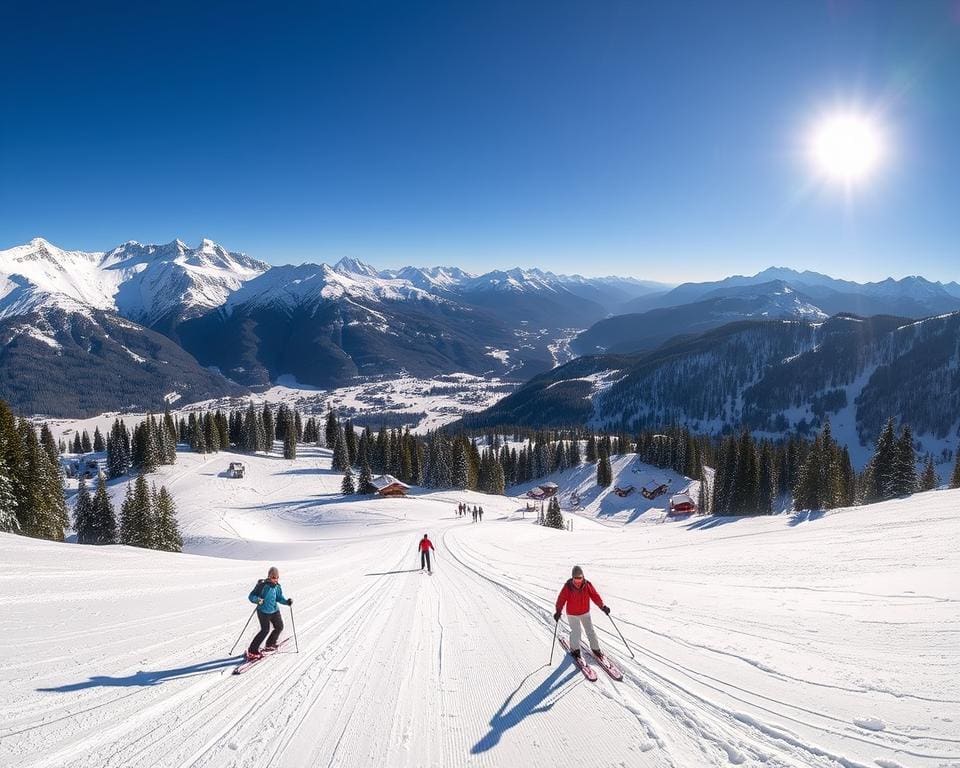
(576, 595)
(425, 546)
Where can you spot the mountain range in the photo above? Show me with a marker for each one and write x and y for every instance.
(252, 323)
(773, 377)
(775, 293)
(132, 327)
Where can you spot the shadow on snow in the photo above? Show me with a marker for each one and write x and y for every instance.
(533, 703)
(144, 678)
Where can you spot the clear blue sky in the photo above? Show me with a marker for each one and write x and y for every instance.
(659, 140)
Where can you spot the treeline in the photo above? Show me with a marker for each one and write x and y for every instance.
(759, 477)
(31, 483)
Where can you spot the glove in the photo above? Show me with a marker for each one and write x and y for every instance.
(605, 609)
(260, 601)
(556, 616)
(290, 602)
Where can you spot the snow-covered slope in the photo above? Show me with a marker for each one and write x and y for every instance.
(141, 282)
(797, 640)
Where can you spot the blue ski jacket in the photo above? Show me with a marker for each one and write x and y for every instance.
(272, 594)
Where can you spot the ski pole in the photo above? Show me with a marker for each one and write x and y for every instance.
(294, 625)
(626, 645)
(553, 645)
(242, 633)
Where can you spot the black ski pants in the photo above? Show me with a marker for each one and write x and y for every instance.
(266, 620)
(425, 559)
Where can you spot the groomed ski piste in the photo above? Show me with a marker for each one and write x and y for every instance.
(795, 640)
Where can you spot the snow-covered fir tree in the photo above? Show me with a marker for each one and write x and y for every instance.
(340, 461)
(104, 517)
(332, 428)
(905, 468)
(554, 518)
(167, 536)
(83, 518)
(289, 436)
(365, 482)
(347, 486)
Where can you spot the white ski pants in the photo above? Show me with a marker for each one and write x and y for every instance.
(579, 624)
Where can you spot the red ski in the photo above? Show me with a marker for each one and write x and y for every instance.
(244, 665)
(608, 666)
(580, 662)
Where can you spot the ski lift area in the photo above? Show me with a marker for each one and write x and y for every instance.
(543, 491)
(654, 491)
(682, 504)
(235, 469)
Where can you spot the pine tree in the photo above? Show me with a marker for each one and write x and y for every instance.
(365, 484)
(332, 428)
(289, 437)
(604, 472)
(554, 518)
(198, 440)
(340, 462)
(591, 450)
(211, 433)
(49, 445)
(347, 487)
(105, 520)
(84, 522)
(884, 465)
(85, 443)
(248, 433)
(41, 510)
(461, 469)
(143, 518)
(269, 426)
(929, 479)
(167, 535)
(955, 477)
(77, 445)
(128, 518)
(905, 467)
(11, 458)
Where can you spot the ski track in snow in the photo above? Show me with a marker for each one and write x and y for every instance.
(124, 660)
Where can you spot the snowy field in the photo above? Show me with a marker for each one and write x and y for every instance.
(797, 640)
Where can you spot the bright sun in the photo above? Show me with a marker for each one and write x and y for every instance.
(846, 147)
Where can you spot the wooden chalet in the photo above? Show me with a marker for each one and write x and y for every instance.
(388, 485)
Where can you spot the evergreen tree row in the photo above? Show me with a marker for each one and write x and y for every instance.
(31, 483)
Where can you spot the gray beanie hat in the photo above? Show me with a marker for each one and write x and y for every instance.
(577, 571)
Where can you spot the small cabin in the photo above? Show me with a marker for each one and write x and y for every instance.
(235, 469)
(388, 485)
(544, 491)
(682, 504)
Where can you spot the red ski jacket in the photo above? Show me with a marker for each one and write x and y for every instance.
(578, 600)
(425, 544)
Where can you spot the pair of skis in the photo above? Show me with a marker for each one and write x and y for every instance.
(244, 665)
(588, 672)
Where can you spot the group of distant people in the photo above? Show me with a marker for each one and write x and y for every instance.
(464, 509)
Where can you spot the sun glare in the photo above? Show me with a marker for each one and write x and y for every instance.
(846, 147)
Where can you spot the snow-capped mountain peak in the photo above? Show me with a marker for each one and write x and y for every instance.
(351, 266)
(142, 282)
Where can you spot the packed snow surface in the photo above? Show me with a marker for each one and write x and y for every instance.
(795, 640)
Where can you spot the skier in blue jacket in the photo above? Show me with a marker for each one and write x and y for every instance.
(267, 595)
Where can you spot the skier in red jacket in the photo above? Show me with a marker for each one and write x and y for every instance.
(576, 595)
(425, 546)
